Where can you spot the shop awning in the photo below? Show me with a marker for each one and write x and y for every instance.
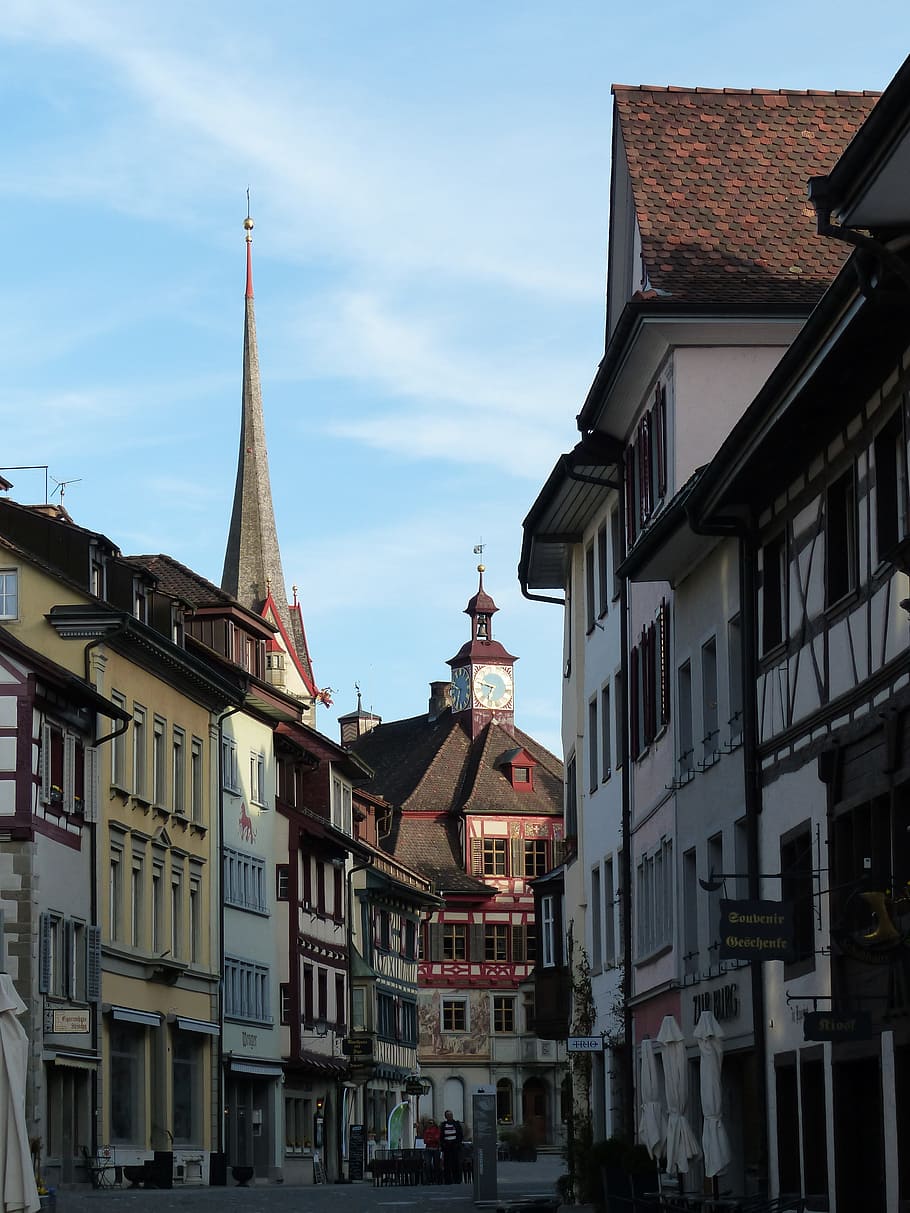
(258, 1069)
(195, 1025)
(150, 1019)
(72, 1061)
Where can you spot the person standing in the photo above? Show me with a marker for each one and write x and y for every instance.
(452, 1135)
(431, 1140)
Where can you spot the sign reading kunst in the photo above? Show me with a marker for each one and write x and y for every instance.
(756, 930)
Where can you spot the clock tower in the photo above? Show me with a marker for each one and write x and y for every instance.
(482, 670)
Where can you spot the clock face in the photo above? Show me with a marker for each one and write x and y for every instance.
(493, 686)
(461, 689)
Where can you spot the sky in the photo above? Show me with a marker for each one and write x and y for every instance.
(430, 188)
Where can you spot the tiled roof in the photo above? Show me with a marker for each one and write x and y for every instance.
(431, 847)
(433, 766)
(181, 582)
(719, 184)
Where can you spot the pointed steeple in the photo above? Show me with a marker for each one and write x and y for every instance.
(252, 561)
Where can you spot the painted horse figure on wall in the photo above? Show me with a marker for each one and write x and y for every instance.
(246, 823)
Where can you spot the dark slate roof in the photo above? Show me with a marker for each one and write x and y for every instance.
(719, 184)
(181, 582)
(431, 847)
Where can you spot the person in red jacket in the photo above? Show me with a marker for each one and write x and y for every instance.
(431, 1140)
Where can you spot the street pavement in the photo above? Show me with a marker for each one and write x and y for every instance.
(515, 1182)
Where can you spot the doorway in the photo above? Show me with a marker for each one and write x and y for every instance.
(858, 1135)
(535, 1109)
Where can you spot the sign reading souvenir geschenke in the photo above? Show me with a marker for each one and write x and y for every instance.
(756, 930)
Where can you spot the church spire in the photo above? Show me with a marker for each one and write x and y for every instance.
(252, 562)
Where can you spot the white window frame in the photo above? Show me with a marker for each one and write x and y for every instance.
(9, 593)
(230, 774)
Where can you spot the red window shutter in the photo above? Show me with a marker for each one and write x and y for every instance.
(634, 739)
(651, 686)
(647, 496)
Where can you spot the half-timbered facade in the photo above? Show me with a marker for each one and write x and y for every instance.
(815, 479)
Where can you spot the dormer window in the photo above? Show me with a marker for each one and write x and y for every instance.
(140, 601)
(521, 775)
(518, 766)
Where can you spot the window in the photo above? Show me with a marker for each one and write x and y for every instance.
(890, 487)
(494, 857)
(654, 900)
(196, 799)
(605, 720)
(841, 568)
(685, 763)
(593, 763)
(127, 1074)
(257, 778)
(496, 942)
(340, 1012)
(797, 887)
(596, 921)
(195, 918)
(115, 893)
(136, 901)
(139, 774)
(176, 913)
(715, 865)
(187, 1077)
(709, 742)
(690, 913)
(619, 718)
(503, 1013)
(774, 593)
(735, 678)
(571, 795)
(590, 602)
(547, 932)
(383, 930)
(649, 661)
(535, 857)
(157, 906)
(244, 881)
(230, 775)
(178, 770)
(603, 580)
(246, 990)
(9, 593)
(52, 961)
(454, 941)
(454, 1015)
(409, 943)
(282, 881)
(159, 762)
(118, 747)
(645, 466)
(609, 913)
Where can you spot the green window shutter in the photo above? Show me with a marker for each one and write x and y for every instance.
(476, 950)
(518, 945)
(93, 964)
(517, 858)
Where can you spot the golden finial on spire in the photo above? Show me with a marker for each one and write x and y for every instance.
(248, 222)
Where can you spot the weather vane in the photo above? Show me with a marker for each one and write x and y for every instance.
(478, 547)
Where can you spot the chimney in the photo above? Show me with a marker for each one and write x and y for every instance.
(440, 699)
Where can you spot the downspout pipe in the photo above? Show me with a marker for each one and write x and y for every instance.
(628, 1051)
(349, 937)
(739, 529)
(820, 197)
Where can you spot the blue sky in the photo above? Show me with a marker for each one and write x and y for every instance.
(430, 187)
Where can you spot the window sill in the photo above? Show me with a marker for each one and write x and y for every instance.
(843, 605)
(650, 957)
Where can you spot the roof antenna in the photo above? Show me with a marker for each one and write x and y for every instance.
(61, 486)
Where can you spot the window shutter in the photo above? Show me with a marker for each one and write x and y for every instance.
(44, 960)
(2, 944)
(475, 942)
(647, 495)
(629, 475)
(634, 690)
(518, 945)
(517, 857)
(93, 964)
(476, 856)
(664, 662)
(650, 681)
(69, 772)
(46, 763)
(559, 852)
(69, 959)
(660, 434)
(92, 790)
(435, 930)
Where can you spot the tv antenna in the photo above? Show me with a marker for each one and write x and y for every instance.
(61, 486)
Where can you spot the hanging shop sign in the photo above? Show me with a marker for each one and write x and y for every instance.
(358, 1046)
(756, 930)
(837, 1025)
(585, 1044)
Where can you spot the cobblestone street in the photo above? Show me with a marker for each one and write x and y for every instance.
(515, 1181)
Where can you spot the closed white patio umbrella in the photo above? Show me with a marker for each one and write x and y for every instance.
(18, 1191)
(714, 1140)
(681, 1143)
(651, 1126)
